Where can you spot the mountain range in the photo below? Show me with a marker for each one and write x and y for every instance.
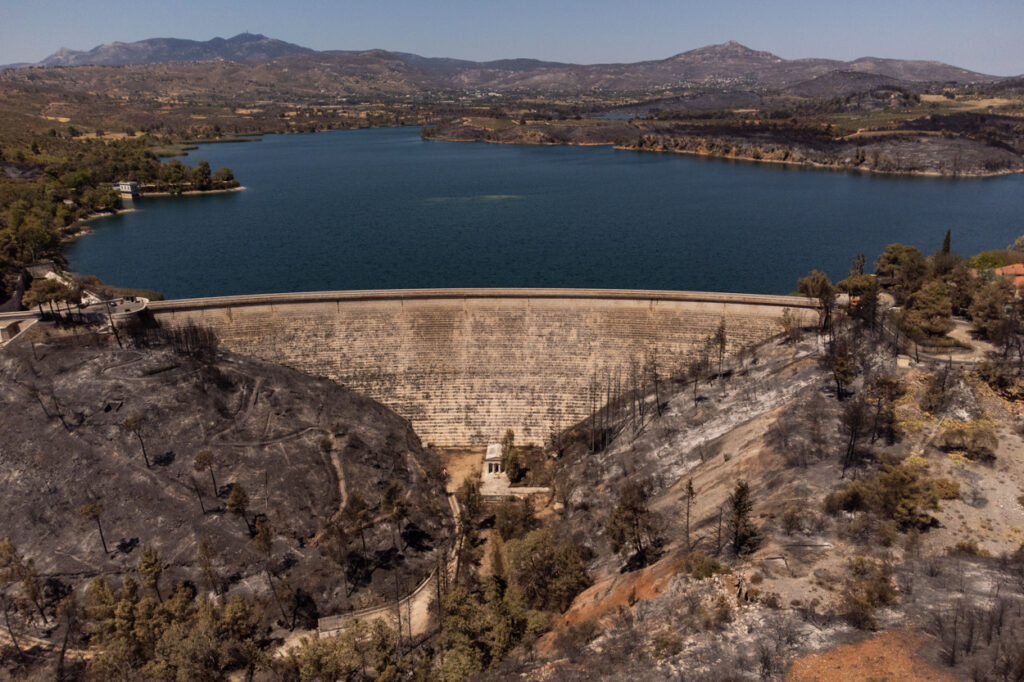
(729, 66)
(245, 47)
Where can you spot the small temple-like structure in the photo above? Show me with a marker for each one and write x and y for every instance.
(493, 464)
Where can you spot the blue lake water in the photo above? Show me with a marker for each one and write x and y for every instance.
(383, 209)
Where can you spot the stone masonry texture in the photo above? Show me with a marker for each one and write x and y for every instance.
(464, 365)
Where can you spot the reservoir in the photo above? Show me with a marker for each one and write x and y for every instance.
(383, 209)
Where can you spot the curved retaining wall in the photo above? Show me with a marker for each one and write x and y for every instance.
(465, 364)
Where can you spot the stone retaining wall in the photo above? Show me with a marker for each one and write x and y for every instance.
(464, 365)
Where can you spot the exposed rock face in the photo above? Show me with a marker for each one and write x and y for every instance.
(300, 447)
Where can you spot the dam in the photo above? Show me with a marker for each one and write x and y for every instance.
(463, 365)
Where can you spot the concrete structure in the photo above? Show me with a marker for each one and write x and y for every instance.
(463, 365)
(128, 189)
(118, 311)
(10, 328)
(13, 325)
(493, 466)
(495, 485)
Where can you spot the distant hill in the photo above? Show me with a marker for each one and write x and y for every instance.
(915, 70)
(244, 47)
(275, 68)
(836, 83)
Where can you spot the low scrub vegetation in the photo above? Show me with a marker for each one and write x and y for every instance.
(898, 492)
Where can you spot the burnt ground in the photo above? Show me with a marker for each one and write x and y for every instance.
(757, 422)
(924, 148)
(298, 445)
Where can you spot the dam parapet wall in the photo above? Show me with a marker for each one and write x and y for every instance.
(463, 365)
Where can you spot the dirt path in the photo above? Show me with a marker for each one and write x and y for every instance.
(29, 642)
(980, 350)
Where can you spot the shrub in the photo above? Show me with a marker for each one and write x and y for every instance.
(791, 327)
(514, 518)
(700, 566)
(976, 439)
(854, 497)
(717, 617)
(967, 548)
(869, 586)
(857, 285)
(666, 645)
(792, 519)
(1002, 377)
(933, 398)
(887, 531)
(898, 493)
(987, 260)
(573, 639)
(946, 489)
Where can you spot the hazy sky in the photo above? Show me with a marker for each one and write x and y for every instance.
(983, 35)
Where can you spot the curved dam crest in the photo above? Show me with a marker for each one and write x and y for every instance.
(463, 365)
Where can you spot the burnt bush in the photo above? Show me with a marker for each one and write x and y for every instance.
(191, 340)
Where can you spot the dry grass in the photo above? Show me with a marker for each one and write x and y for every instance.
(461, 463)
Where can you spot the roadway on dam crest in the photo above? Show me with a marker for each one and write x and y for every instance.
(463, 365)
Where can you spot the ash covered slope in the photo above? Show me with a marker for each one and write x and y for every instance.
(301, 447)
(773, 421)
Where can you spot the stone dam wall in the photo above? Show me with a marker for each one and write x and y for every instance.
(464, 365)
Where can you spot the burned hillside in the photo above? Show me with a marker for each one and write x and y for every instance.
(248, 479)
(742, 515)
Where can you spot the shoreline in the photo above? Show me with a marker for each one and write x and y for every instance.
(810, 165)
(80, 227)
(191, 192)
(823, 166)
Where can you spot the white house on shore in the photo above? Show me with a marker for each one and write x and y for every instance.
(127, 188)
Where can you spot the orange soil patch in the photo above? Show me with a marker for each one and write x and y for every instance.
(625, 589)
(611, 594)
(888, 656)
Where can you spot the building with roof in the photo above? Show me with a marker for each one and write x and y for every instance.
(1012, 273)
(494, 466)
(127, 188)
